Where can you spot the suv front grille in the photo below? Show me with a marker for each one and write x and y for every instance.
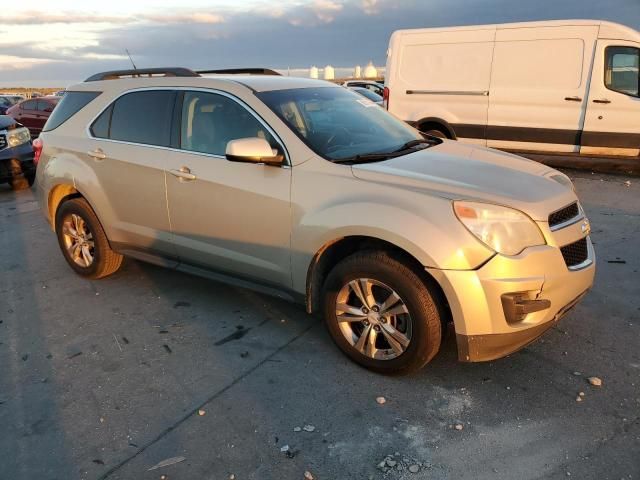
(3, 141)
(575, 253)
(564, 214)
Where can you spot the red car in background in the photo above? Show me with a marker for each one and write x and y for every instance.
(33, 113)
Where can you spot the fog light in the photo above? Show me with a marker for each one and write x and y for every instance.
(518, 305)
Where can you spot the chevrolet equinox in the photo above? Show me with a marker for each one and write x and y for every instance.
(307, 190)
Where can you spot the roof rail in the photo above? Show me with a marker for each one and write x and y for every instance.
(143, 72)
(241, 71)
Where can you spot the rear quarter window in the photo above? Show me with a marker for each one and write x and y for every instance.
(71, 103)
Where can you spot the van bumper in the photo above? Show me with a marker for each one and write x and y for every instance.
(509, 302)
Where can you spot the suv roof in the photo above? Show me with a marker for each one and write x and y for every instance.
(258, 80)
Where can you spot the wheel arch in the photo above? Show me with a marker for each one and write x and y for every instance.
(438, 124)
(57, 196)
(61, 193)
(336, 250)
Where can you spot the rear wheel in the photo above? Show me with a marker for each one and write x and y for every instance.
(83, 242)
(381, 313)
(434, 132)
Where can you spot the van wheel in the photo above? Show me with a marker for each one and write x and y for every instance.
(83, 242)
(434, 132)
(381, 313)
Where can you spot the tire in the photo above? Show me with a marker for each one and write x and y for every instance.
(77, 214)
(385, 273)
(434, 132)
(17, 180)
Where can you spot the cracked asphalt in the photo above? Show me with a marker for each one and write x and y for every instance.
(104, 379)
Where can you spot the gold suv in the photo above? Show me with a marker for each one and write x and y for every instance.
(307, 190)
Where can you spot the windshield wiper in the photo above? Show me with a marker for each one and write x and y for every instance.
(366, 157)
(415, 143)
(376, 157)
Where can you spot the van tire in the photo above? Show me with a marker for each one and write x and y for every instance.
(104, 260)
(434, 132)
(423, 310)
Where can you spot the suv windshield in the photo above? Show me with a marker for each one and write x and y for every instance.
(339, 124)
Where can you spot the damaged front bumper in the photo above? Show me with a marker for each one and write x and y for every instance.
(511, 301)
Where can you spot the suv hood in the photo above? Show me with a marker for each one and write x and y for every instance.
(463, 172)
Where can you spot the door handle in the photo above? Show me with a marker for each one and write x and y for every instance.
(573, 99)
(604, 100)
(97, 154)
(183, 174)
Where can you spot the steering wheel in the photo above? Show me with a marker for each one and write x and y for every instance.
(338, 132)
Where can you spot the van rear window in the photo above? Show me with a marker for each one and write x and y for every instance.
(71, 103)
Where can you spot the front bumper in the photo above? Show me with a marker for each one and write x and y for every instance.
(475, 297)
(11, 158)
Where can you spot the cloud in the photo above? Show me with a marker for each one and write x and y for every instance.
(293, 33)
(197, 18)
(40, 18)
(370, 7)
(326, 10)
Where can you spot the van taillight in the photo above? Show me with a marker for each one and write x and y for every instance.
(37, 150)
(385, 97)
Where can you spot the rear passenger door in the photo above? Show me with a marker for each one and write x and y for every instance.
(538, 88)
(228, 216)
(44, 109)
(127, 152)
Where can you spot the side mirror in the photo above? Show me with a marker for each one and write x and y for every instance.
(253, 150)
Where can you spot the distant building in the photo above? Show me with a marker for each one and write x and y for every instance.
(329, 73)
(357, 72)
(314, 73)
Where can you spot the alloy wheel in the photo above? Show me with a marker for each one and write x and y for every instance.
(373, 319)
(78, 240)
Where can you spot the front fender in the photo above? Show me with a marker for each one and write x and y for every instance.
(435, 241)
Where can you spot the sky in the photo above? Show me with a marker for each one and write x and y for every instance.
(61, 42)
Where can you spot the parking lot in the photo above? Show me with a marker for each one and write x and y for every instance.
(106, 379)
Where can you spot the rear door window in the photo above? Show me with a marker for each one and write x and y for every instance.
(70, 104)
(140, 117)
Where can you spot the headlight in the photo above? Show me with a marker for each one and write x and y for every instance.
(502, 229)
(18, 136)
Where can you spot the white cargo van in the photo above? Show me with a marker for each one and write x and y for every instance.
(569, 86)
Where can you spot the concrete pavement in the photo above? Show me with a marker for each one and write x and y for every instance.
(104, 379)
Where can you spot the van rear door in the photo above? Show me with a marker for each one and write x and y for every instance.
(612, 125)
(538, 87)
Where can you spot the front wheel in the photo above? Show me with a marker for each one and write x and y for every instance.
(381, 313)
(83, 242)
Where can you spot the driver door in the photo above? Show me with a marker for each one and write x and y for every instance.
(612, 121)
(228, 216)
